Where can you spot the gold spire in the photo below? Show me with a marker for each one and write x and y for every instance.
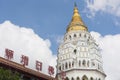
(76, 22)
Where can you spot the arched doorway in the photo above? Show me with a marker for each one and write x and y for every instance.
(84, 77)
(72, 78)
(78, 78)
(91, 78)
(66, 78)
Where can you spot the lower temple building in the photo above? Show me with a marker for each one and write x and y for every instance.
(25, 73)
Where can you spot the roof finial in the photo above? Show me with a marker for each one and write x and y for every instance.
(75, 5)
(76, 22)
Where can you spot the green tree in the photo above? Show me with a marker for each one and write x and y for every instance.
(8, 75)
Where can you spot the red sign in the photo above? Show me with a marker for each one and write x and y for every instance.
(50, 70)
(9, 54)
(24, 60)
(39, 66)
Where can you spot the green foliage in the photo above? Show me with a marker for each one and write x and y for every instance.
(8, 75)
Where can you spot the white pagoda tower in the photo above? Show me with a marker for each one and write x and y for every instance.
(79, 57)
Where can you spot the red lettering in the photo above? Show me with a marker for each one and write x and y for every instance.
(39, 66)
(50, 70)
(24, 60)
(9, 54)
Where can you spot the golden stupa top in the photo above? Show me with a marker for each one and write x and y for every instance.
(76, 22)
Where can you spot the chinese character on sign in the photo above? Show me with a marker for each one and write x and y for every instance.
(39, 66)
(9, 54)
(24, 60)
(50, 70)
(63, 74)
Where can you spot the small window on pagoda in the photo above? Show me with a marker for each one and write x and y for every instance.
(79, 63)
(83, 63)
(66, 66)
(98, 66)
(66, 38)
(74, 35)
(60, 68)
(89, 37)
(80, 35)
(72, 64)
(75, 51)
(69, 37)
(63, 66)
(93, 64)
(69, 64)
(88, 63)
(88, 40)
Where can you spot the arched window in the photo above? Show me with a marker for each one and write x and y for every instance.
(72, 78)
(69, 64)
(66, 66)
(84, 77)
(84, 63)
(91, 78)
(63, 66)
(78, 78)
(72, 63)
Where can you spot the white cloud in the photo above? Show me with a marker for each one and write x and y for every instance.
(109, 6)
(24, 41)
(117, 22)
(110, 46)
(48, 42)
(59, 39)
(56, 38)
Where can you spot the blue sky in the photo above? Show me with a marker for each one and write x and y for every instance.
(49, 18)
